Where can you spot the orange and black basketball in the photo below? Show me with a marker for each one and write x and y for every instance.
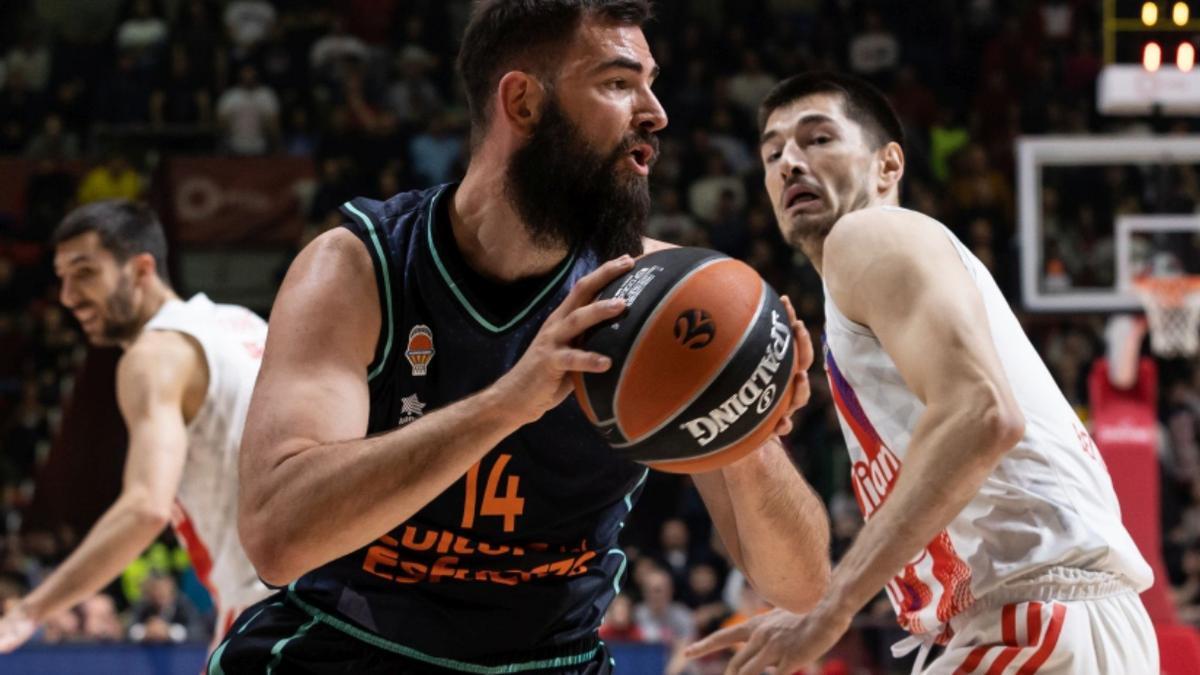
(702, 362)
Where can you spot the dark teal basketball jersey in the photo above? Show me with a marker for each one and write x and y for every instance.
(520, 555)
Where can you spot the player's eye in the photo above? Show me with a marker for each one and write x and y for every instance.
(617, 84)
(774, 155)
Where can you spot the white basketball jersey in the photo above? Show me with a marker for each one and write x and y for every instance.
(205, 514)
(1049, 503)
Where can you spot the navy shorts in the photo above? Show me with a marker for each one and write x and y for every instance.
(280, 637)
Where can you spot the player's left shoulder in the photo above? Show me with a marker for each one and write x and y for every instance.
(885, 235)
(882, 229)
(160, 360)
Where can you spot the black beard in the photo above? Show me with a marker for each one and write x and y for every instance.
(120, 317)
(570, 195)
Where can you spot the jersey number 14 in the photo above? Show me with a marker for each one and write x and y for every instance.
(507, 506)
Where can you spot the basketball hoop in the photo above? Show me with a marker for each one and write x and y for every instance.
(1172, 305)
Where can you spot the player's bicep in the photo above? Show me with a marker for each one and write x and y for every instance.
(312, 387)
(941, 343)
(151, 382)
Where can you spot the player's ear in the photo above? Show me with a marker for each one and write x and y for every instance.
(520, 97)
(891, 166)
(143, 266)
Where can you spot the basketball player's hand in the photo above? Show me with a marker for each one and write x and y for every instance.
(541, 379)
(777, 640)
(804, 359)
(15, 629)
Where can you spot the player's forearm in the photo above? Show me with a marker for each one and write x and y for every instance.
(953, 450)
(117, 539)
(775, 526)
(324, 501)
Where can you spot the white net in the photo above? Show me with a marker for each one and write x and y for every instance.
(1172, 307)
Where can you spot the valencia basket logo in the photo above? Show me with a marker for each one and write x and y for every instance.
(420, 349)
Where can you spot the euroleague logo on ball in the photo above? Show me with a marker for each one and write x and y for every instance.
(694, 328)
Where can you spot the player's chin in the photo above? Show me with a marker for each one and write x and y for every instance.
(806, 226)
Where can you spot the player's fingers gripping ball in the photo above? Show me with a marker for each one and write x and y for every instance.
(703, 360)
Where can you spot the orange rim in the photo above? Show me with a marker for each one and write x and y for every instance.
(1168, 291)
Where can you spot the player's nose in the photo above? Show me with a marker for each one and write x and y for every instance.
(792, 162)
(66, 295)
(651, 115)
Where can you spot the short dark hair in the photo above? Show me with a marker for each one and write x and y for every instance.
(126, 229)
(864, 103)
(503, 35)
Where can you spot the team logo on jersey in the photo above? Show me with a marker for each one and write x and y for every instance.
(411, 408)
(420, 349)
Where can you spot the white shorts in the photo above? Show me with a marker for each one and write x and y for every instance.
(1112, 635)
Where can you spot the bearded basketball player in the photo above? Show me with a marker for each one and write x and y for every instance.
(415, 478)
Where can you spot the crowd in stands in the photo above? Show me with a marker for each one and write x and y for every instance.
(366, 89)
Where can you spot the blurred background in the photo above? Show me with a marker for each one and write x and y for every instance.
(247, 122)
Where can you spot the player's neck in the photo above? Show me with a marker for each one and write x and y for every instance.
(157, 295)
(489, 232)
(813, 250)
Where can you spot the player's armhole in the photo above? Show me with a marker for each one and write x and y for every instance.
(373, 237)
(867, 236)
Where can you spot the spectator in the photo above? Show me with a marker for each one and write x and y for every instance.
(671, 223)
(705, 195)
(299, 139)
(946, 138)
(749, 605)
(437, 151)
(618, 625)
(64, 627)
(1057, 17)
(114, 179)
(412, 97)
(100, 622)
(31, 60)
(658, 616)
(336, 48)
(143, 31)
(249, 115)
(163, 616)
(725, 137)
(53, 141)
(749, 86)
(727, 231)
(874, 51)
(248, 22)
(704, 597)
(673, 543)
(978, 189)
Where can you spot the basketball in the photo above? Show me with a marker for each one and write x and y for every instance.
(702, 359)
